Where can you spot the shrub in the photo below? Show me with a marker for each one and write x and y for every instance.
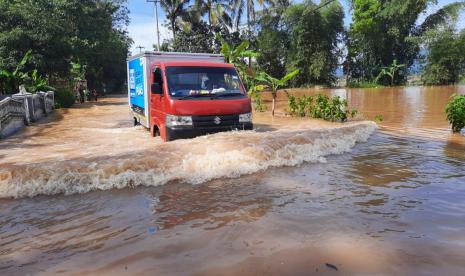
(299, 106)
(329, 109)
(455, 110)
(258, 103)
(254, 93)
(292, 104)
(64, 98)
(379, 118)
(303, 105)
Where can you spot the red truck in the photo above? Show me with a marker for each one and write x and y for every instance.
(184, 95)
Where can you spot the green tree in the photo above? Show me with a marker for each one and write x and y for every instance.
(175, 10)
(445, 59)
(316, 32)
(10, 80)
(239, 7)
(384, 31)
(218, 12)
(273, 39)
(198, 37)
(58, 31)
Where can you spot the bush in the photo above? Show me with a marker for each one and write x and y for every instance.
(254, 93)
(329, 109)
(299, 106)
(379, 118)
(64, 98)
(455, 110)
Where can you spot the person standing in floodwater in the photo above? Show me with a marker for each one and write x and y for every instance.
(81, 93)
(94, 94)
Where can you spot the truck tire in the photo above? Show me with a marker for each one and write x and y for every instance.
(156, 131)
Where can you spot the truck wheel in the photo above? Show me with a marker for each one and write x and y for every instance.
(136, 122)
(156, 131)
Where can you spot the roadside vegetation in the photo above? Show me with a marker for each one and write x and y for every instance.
(274, 44)
(41, 40)
(455, 111)
(333, 109)
(378, 49)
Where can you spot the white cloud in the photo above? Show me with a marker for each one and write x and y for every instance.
(142, 30)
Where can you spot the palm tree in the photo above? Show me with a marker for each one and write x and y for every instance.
(217, 11)
(175, 10)
(247, 6)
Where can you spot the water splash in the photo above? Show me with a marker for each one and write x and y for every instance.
(192, 161)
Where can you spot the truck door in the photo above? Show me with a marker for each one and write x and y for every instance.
(157, 106)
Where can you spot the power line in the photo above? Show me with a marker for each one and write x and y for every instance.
(322, 6)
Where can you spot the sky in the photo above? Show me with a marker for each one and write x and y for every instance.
(143, 31)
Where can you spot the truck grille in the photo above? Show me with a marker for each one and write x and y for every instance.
(212, 121)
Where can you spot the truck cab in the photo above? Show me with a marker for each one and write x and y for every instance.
(179, 98)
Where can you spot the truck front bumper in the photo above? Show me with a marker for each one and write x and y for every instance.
(183, 132)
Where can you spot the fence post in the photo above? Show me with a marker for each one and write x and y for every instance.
(49, 99)
(11, 116)
(26, 98)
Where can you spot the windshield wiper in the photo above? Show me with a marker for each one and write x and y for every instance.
(212, 95)
(226, 94)
(194, 96)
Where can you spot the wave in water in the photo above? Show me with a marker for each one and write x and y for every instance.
(193, 161)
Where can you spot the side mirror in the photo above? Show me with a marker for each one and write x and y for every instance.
(156, 88)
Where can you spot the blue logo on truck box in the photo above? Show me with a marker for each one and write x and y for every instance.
(136, 84)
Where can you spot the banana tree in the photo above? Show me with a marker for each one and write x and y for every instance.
(390, 71)
(38, 82)
(237, 56)
(12, 80)
(274, 84)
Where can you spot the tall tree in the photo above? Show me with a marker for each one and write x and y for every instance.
(273, 38)
(316, 33)
(90, 32)
(248, 7)
(175, 10)
(217, 11)
(384, 31)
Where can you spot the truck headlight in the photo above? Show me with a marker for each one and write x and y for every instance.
(245, 118)
(173, 120)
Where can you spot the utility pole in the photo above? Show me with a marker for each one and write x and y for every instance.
(156, 17)
(140, 48)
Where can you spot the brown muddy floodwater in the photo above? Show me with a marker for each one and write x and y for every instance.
(84, 192)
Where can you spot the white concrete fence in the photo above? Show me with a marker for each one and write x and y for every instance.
(22, 108)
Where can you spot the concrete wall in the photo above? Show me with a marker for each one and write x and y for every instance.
(23, 108)
(11, 116)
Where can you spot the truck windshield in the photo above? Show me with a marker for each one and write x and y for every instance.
(196, 82)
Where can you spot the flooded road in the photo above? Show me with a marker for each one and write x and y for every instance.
(297, 197)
